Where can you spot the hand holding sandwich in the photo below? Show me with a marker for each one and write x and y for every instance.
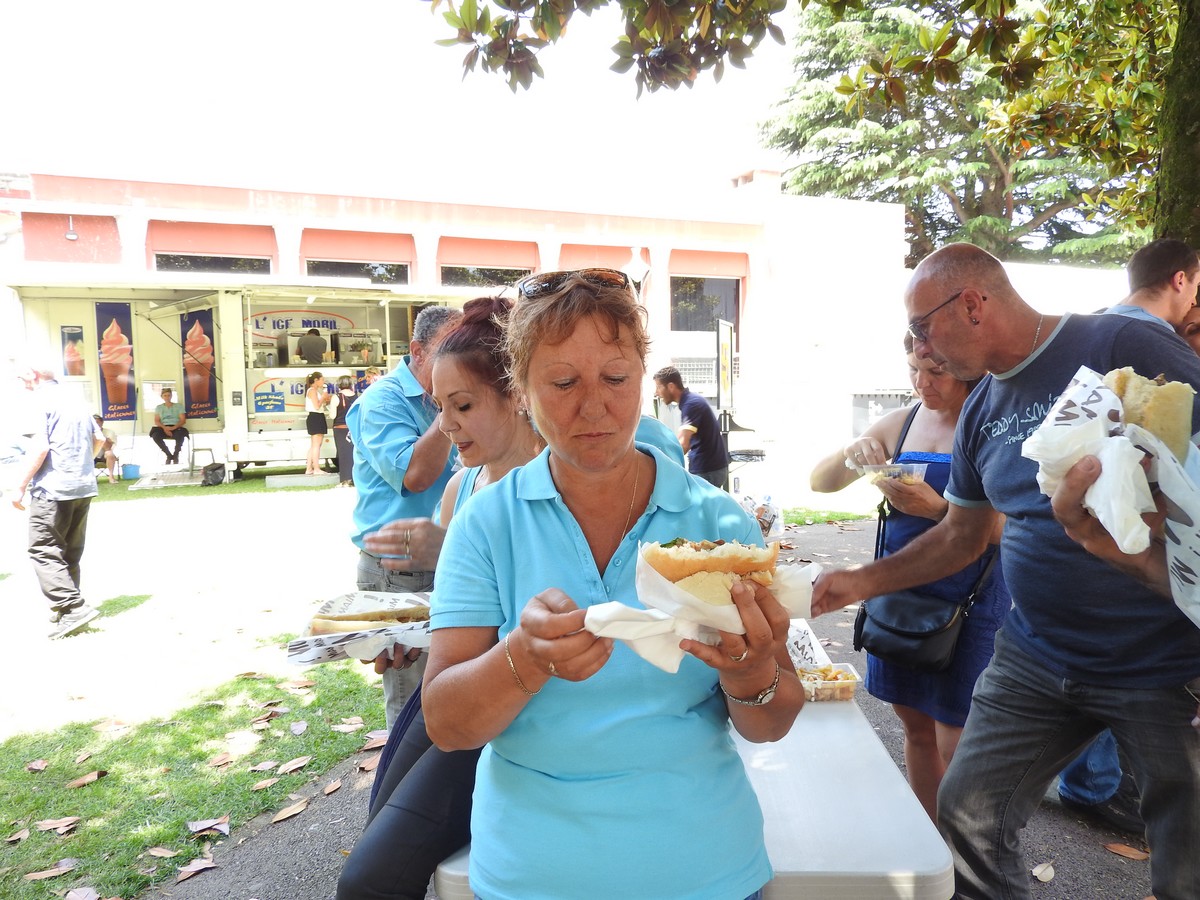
(1149, 566)
(746, 662)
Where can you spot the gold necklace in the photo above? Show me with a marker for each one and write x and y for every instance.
(1037, 334)
(637, 474)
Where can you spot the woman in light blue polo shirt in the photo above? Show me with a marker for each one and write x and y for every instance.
(602, 776)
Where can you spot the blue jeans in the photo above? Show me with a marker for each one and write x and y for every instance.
(1025, 724)
(1094, 776)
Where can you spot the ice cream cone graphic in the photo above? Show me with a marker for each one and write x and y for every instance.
(197, 364)
(73, 359)
(116, 359)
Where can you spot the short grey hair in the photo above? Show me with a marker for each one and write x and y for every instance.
(431, 320)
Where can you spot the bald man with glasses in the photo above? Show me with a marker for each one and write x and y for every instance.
(1086, 645)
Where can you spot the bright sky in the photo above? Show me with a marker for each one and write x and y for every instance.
(354, 97)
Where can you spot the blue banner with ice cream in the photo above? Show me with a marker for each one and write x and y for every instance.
(118, 390)
(199, 364)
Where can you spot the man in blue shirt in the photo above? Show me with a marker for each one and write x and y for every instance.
(699, 435)
(61, 480)
(1163, 280)
(402, 462)
(1164, 277)
(1085, 646)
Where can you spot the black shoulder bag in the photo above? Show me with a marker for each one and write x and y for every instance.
(909, 628)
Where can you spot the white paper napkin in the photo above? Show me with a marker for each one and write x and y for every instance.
(673, 614)
(1086, 420)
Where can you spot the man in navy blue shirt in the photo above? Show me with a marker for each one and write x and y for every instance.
(1086, 645)
(699, 435)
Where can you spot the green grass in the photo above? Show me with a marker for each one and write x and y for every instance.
(253, 481)
(159, 779)
(116, 605)
(805, 516)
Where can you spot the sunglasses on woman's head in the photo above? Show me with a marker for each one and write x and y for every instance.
(543, 283)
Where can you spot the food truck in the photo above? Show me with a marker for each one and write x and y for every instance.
(228, 350)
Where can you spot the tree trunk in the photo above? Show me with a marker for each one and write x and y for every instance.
(1178, 211)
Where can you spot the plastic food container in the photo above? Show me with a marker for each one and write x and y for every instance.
(909, 473)
(837, 681)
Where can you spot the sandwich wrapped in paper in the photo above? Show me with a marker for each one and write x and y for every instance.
(1089, 419)
(673, 612)
(361, 625)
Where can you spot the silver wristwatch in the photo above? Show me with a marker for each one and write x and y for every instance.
(764, 697)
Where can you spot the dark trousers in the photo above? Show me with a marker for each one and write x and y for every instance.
(56, 534)
(421, 815)
(160, 437)
(345, 452)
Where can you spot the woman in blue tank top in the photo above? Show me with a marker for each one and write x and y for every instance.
(932, 706)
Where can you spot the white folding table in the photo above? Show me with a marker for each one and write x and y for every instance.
(840, 820)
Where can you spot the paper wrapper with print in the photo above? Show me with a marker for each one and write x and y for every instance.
(1086, 420)
(309, 648)
(673, 614)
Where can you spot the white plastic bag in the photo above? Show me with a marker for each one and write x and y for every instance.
(768, 515)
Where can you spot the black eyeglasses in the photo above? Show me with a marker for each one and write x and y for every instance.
(917, 330)
(543, 283)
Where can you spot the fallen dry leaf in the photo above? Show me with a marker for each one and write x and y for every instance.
(251, 675)
(369, 764)
(87, 779)
(288, 811)
(202, 825)
(82, 758)
(83, 893)
(38, 765)
(1043, 871)
(263, 766)
(298, 684)
(1126, 851)
(17, 836)
(332, 786)
(265, 704)
(373, 743)
(298, 728)
(56, 824)
(347, 727)
(352, 720)
(62, 867)
(195, 866)
(293, 765)
(265, 783)
(266, 717)
(110, 725)
(162, 852)
(221, 759)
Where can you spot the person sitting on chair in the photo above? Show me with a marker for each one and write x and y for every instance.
(168, 423)
(106, 455)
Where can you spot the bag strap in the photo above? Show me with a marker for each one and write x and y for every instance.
(987, 570)
(882, 517)
(881, 528)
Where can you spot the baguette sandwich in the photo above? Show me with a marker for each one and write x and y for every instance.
(1164, 408)
(366, 620)
(708, 569)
